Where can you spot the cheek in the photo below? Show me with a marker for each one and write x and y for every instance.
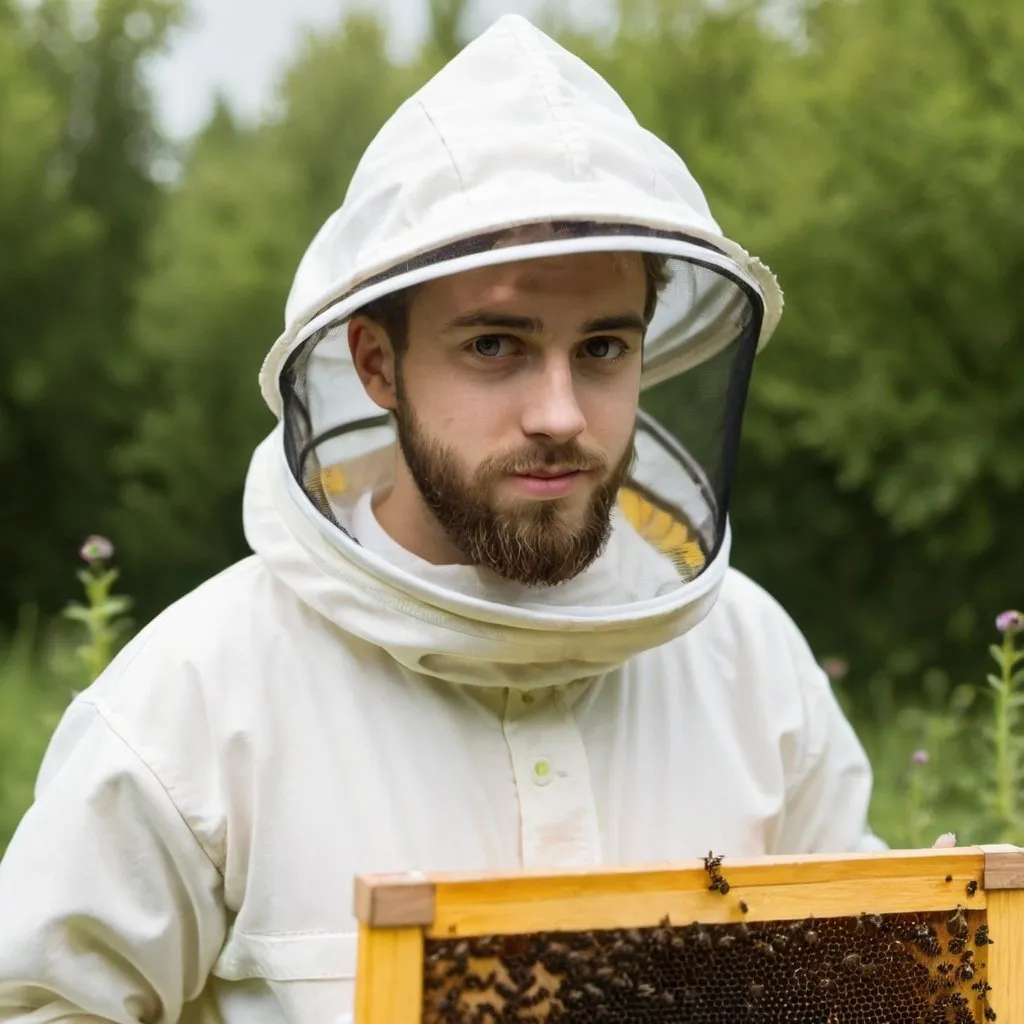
(610, 413)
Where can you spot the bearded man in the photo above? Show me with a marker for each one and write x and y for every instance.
(489, 621)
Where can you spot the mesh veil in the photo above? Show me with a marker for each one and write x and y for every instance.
(699, 351)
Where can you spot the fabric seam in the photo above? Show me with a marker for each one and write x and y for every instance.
(555, 117)
(156, 778)
(447, 148)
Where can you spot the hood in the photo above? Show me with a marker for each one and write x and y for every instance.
(459, 630)
(514, 132)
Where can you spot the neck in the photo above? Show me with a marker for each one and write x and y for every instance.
(405, 518)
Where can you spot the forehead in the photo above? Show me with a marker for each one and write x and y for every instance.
(604, 278)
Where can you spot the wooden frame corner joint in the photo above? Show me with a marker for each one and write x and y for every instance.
(1004, 867)
(405, 900)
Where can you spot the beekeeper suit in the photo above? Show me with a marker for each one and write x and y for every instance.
(338, 703)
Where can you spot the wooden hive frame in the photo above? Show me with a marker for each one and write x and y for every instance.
(398, 914)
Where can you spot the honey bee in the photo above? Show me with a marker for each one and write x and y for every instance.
(972, 887)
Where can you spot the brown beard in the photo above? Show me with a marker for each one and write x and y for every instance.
(529, 542)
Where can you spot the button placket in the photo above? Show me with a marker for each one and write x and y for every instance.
(558, 817)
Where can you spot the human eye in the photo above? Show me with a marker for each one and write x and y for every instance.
(490, 346)
(604, 349)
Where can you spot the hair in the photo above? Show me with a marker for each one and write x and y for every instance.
(392, 311)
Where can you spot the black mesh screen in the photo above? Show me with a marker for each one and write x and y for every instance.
(703, 337)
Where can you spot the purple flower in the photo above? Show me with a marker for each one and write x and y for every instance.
(96, 549)
(835, 668)
(1010, 622)
(919, 757)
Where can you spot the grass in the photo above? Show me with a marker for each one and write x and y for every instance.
(37, 680)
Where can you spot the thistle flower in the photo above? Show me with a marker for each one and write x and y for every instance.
(1010, 621)
(919, 757)
(96, 550)
(835, 668)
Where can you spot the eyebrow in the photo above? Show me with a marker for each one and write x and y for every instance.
(483, 318)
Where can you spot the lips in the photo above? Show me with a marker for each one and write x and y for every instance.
(545, 474)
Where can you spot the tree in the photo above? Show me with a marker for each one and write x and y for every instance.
(76, 202)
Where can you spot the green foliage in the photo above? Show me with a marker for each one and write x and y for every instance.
(34, 690)
(76, 204)
(869, 151)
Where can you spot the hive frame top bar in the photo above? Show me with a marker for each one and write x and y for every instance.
(763, 888)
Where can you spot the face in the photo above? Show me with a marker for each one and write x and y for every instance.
(515, 399)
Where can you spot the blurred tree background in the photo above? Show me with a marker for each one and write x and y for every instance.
(871, 152)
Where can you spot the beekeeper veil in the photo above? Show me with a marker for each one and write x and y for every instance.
(518, 150)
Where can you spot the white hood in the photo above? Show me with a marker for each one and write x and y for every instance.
(440, 171)
(515, 130)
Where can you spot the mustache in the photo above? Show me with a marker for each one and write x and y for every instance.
(571, 458)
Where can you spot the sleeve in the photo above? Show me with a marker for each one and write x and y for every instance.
(110, 908)
(829, 795)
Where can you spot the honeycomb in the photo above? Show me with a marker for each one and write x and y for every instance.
(871, 969)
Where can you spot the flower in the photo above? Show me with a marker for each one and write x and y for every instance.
(1010, 621)
(96, 549)
(919, 757)
(835, 668)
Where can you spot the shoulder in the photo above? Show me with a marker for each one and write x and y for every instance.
(750, 618)
(212, 670)
(751, 644)
(218, 631)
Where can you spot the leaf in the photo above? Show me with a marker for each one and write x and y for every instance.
(79, 613)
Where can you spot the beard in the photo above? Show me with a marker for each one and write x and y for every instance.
(529, 542)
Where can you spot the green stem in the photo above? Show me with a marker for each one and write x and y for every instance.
(1006, 790)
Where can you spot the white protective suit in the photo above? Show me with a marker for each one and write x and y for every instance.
(334, 705)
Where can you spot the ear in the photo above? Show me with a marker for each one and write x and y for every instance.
(374, 360)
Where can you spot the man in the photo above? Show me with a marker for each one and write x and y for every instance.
(510, 638)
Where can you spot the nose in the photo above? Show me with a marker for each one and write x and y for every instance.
(552, 411)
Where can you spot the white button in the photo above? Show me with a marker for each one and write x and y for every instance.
(543, 773)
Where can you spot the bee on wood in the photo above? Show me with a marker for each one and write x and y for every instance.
(982, 938)
(743, 907)
(711, 866)
(972, 887)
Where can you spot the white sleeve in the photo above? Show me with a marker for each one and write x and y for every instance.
(828, 797)
(110, 909)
